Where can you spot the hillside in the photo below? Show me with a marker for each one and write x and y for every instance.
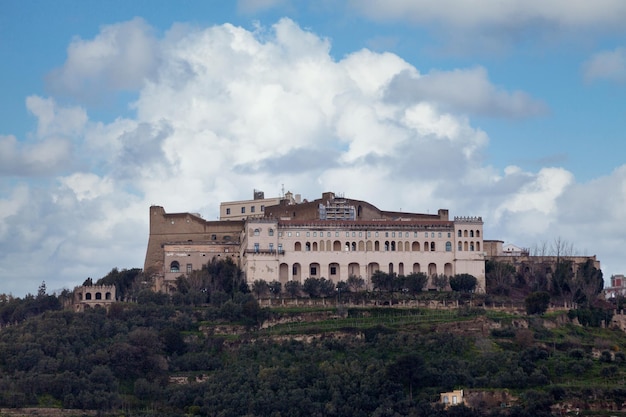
(239, 359)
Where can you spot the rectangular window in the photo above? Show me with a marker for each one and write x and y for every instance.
(243, 210)
(227, 211)
(280, 248)
(288, 234)
(393, 234)
(256, 248)
(347, 234)
(262, 207)
(432, 234)
(439, 234)
(336, 234)
(280, 234)
(414, 234)
(449, 234)
(360, 234)
(406, 234)
(252, 209)
(386, 234)
(297, 233)
(213, 237)
(189, 268)
(271, 247)
(314, 234)
(333, 270)
(308, 234)
(376, 234)
(313, 271)
(353, 234)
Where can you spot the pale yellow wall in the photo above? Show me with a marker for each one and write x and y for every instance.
(252, 208)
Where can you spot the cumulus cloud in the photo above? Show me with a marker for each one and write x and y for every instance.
(463, 90)
(121, 57)
(608, 65)
(225, 111)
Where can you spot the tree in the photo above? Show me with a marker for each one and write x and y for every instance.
(355, 283)
(463, 283)
(293, 288)
(440, 282)
(415, 282)
(311, 287)
(499, 277)
(260, 288)
(537, 302)
(275, 288)
(382, 281)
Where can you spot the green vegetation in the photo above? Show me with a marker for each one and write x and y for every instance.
(210, 349)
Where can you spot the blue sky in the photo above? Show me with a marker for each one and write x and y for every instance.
(511, 111)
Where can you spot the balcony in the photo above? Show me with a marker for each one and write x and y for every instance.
(265, 251)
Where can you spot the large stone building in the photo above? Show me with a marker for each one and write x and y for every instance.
(332, 237)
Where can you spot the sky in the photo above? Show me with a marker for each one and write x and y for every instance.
(513, 111)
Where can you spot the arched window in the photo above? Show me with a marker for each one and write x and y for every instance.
(393, 246)
(460, 248)
(98, 296)
(175, 267)
(471, 233)
(107, 296)
(472, 246)
(88, 296)
(271, 232)
(353, 246)
(307, 246)
(465, 233)
(297, 247)
(460, 234)
(477, 233)
(257, 232)
(426, 246)
(432, 246)
(448, 246)
(387, 246)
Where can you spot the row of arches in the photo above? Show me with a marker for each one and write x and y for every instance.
(336, 272)
(468, 233)
(95, 296)
(369, 246)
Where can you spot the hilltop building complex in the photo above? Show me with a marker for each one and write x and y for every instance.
(332, 237)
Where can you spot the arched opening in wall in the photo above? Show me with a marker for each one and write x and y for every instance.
(416, 267)
(393, 246)
(88, 296)
(401, 268)
(283, 272)
(432, 246)
(329, 246)
(464, 233)
(353, 246)
(472, 246)
(107, 296)
(460, 234)
(337, 246)
(432, 269)
(354, 269)
(297, 247)
(371, 268)
(80, 296)
(426, 246)
(390, 268)
(369, 246)
(347, 247)
(98, 296)
(314, 270)
(322, 246)
(334, 273)
(377, 246)
(447, 269)
(460, 247)
(295, 272)
(359, 211)
(175, 266)
(477, 233)
(471, 233)
(307, 246)
(415, 247)
(478, 246)
(448, 246)
(257, 232)
(407, 246)
(386, 246)
(361, 246)
(314, 246)
(465, 246)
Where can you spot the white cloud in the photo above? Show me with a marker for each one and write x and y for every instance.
(121, 57)
(609, 65)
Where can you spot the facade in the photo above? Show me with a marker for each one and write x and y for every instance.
(331, 237)
(93, 296)
(452, 398)
(241, 210)
(617, 288)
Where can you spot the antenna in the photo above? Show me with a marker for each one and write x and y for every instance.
(282, 190)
